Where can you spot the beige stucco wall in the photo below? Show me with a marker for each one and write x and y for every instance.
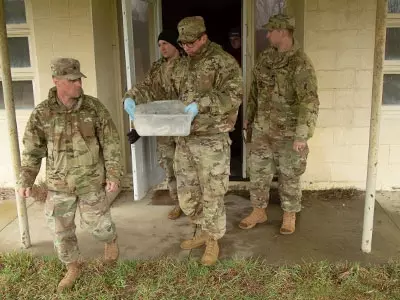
(6, 167)
(83, 29)
(63, 28)
(296, 8)
(339, 38)
(107, 60)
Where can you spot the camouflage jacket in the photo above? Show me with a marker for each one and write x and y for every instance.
(157, 83)
(283, 101)
(213, 80)
(81, 145)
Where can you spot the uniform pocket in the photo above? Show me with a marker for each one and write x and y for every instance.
(86, 145)
(49, 212)
(49, 205)
(219, 167)
(56, 146)
(291, 162)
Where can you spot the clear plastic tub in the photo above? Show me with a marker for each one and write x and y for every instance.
(162, 118)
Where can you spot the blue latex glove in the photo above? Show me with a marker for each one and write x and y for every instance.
(130, 107)
(193, 109)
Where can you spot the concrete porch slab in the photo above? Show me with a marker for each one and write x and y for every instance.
(144, 232)
(326, 230)
(8, 211)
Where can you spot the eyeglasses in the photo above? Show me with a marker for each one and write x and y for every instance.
(190, 44)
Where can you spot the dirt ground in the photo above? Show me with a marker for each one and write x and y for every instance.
(39, 193)
(7, 194)
(328, 228)
(161, 197)
(311, 195)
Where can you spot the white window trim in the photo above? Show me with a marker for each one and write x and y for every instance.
(392, 66)
(23, 74)
(18, 29)
(22, 30)
(18, 72)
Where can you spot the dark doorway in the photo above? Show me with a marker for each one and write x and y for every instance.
(220, 17)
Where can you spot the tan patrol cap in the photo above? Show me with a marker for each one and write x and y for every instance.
(280, 21)
(66, 68)
(190, 29)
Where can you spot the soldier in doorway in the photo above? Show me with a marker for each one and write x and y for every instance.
(282, 111)
(235, 49)
(235, 41)
(156, 87)
(209, 82)
(76, 135)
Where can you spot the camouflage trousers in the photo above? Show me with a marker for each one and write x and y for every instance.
(268, 157)
(60, 209)
(166, 152)
(202, 173)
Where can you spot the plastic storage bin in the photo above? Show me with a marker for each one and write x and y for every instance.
(162, 118)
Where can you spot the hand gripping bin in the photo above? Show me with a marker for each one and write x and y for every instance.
(162, 118)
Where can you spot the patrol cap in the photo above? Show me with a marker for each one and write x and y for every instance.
(190, 29)
(280, 21)
(66, 68)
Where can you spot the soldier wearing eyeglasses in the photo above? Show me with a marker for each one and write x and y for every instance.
(209, 82)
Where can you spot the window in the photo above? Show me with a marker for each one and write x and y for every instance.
(391, 77)
(18, 36)
(23, 94)
(393, 6)
(15, 12)
(18, 48)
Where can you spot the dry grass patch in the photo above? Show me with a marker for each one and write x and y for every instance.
(25, 277)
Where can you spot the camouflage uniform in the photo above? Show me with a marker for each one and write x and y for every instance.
(282, 108)
(82, 151)
(157, 86)
(213, 80)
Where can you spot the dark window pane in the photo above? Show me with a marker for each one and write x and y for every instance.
(23, 95)
(391, 89)
(18, 48)
(392, 48)
(394, 6)
(140, 24)
(15, 11)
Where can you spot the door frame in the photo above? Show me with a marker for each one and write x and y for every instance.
(141, 162)
(146, 172)
(248, 50)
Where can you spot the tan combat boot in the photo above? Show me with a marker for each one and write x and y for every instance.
(175, 213)
(257, 216)
(210, 255)
(73, 272)
(111, 251)
(195, 242)
(288, 223)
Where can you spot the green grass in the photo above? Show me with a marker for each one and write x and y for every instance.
(23, 276)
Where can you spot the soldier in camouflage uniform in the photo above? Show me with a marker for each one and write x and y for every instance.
(154, 87)
(209, 82)
(76, 135)
(282, 110)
